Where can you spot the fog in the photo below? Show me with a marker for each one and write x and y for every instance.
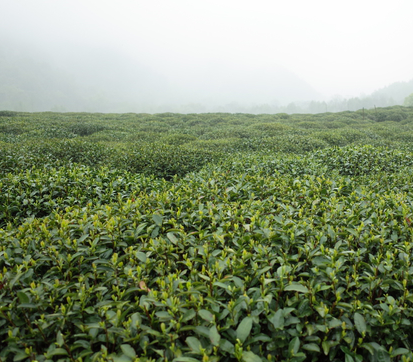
(184, 56)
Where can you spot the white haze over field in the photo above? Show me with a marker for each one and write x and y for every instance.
(170, 52)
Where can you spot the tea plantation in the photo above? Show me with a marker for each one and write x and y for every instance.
(206, 237)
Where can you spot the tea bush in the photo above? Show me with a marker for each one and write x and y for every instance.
(136, 240)
(40, 191)
(364, 160)
(165, 161)
(251, 268)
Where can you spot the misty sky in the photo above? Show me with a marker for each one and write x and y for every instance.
(257, 50)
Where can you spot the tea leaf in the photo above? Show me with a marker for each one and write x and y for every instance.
(172, 238)
(297, 287)
(277, 319)
(20, 356)
(226, 346)
(311, 347)
(204, 314)
(348, 358)
(250, 357)
(157, 219)
(189, 314)
(360, 323)
(194, 344)
(23, 297)
(214, 336)
(244, 329)
(141, 256)
(57, 352)
(128, 350)
(294, 346)
(399, 352)
(59, 339)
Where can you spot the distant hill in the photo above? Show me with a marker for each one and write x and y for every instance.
(30, 81)
(106, 81)
(101, 80)
(28, 84)
(391, 95)
(397, 91)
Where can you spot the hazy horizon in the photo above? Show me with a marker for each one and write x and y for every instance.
(143, 54)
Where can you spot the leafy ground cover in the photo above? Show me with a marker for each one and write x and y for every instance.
(206, 237)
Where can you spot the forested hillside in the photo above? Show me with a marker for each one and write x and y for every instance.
(32, 81)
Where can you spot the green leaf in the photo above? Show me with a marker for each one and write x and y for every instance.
(250, 357)
(205, 314)
(172, 238)
(59, 339)
(297, 287)
(188, 315)
(311, 347)
(226, 346)
(263, 270)
(163, 316)
(81, 342)
(244, 329)
(327, 345)
(20, 356)
(185, 359)
(323, 287)
(259, 338)
(128, 350)
(202, 331)
(277, 319)
(155, 232)
(194, 344)
(141, 256)
(360, 323)
(294, 346)
(214, 336)
(122, 358)
(379, 352)
(321, 310)
(399, 351)
(222, 285)
(57, 352)
(136, 319)
(334, 323)
(382, 355)
(304, 309)
(205, 277)
(358, 358)
(151, 331)
(90, 310)
(27, 305)
(23, 297)
(348, 358)
(158, 219)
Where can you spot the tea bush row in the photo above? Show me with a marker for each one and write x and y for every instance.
(161, 160)
(334, 129)
(217, 265)
(209, 237)
(37, 192)
(40, 191)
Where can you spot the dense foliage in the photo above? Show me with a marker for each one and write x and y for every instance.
(408, 101)
(206, 237)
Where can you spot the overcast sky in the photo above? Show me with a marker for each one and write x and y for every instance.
(336, 47)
